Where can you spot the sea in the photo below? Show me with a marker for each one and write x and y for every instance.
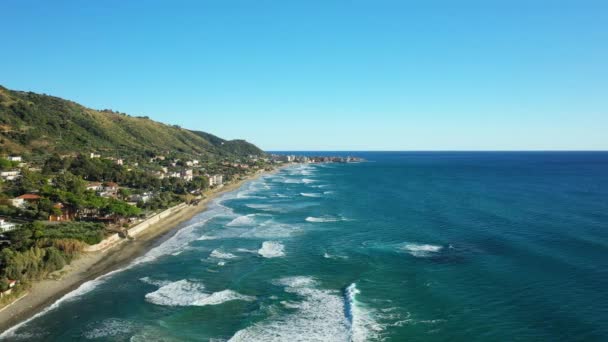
(406, 246)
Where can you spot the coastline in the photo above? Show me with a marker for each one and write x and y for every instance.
(92, 265)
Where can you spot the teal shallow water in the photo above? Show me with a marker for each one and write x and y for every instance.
(408, 246)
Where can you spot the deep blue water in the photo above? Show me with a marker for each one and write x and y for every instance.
(419, 246)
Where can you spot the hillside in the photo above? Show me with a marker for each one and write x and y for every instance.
(36, 124)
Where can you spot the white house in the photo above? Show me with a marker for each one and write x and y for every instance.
(6, 226)
(215, 180)
(186, 175)
(95, 186)
(15, 158)
(10, 175)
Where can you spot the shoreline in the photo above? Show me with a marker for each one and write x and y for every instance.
(92, 265)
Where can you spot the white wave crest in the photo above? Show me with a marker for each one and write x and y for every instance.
(308, 180)
(217, 254)
(179, 293)
(363, 326)
(206, 237)
(245, 220)
(318, 317)
(311, 194)
(272, 249)
(421, 250)
(323, 219)
(186, 293)
(111, 327)
(222, 297)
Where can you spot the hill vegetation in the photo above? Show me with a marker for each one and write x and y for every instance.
(33, 123)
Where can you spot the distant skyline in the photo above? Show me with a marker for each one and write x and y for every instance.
(328, 75)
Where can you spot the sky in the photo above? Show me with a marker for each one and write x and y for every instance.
(325, 74)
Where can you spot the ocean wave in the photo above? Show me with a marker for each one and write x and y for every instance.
(308, 180)
(318, 317)
(331, 256)
(187, 293)
(222, 297)
(217, 254)
(272, 249)
(265, 207)
(206, 237)
(421, 250)
(111, 327)
(270, 230)
(324, 219)
(154, 282)
(178, 293)
(311, 194)
(244, 220)
(363, 325)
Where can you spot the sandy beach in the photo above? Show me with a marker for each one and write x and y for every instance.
(92, 265)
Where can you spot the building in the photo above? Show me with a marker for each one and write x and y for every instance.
(94, 186)
(10, 175)
(6, 226)
(64, 213)
(110, 187)
(15, 158)
(20, 201)
(215, 180)
(186, 175)
(94, 155)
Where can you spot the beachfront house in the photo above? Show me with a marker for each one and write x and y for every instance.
(10, 175)
(215, 180)
(20, 201)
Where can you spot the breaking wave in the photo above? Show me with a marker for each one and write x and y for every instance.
(318, 317)
(324, 219)
(421, 250)
(363, 326)
(187, 293)
(217, 254)
(272, 249)
(311, 194)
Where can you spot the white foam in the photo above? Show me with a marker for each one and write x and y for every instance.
(222, 297)
(318, 317)
(217, 254)
(186, 293)
(421, 250)
(244, 220)
(323, 219)
(179, 293)
(244, 250)
(310, 194)
(363, 326)
(264, 207)
(111, 327)
(154, 282)
(308, 180)
(272, 249)
(206, 237)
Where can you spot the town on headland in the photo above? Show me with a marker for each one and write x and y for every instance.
(76, 181)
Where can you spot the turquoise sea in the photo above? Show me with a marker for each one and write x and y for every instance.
(416, 246)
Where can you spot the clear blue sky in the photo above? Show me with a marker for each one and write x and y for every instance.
(328, 75)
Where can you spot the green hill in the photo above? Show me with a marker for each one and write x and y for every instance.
(42, 124)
